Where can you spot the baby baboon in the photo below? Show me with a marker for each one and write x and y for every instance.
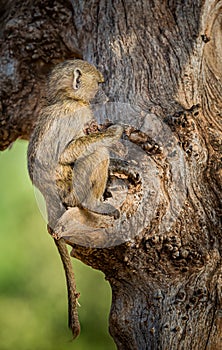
(69, 167)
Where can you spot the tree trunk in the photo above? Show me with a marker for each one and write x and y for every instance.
(162, 65)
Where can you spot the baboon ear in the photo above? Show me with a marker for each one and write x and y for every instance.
(77, 78)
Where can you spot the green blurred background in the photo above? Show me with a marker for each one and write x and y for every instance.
(33, 305)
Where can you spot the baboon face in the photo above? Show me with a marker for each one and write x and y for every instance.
(74, 79)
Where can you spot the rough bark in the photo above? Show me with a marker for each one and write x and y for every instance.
(164, 59)
(35, 35)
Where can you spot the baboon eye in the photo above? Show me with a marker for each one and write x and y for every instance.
(77, 78)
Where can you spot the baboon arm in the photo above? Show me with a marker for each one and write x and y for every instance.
(77, 147)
